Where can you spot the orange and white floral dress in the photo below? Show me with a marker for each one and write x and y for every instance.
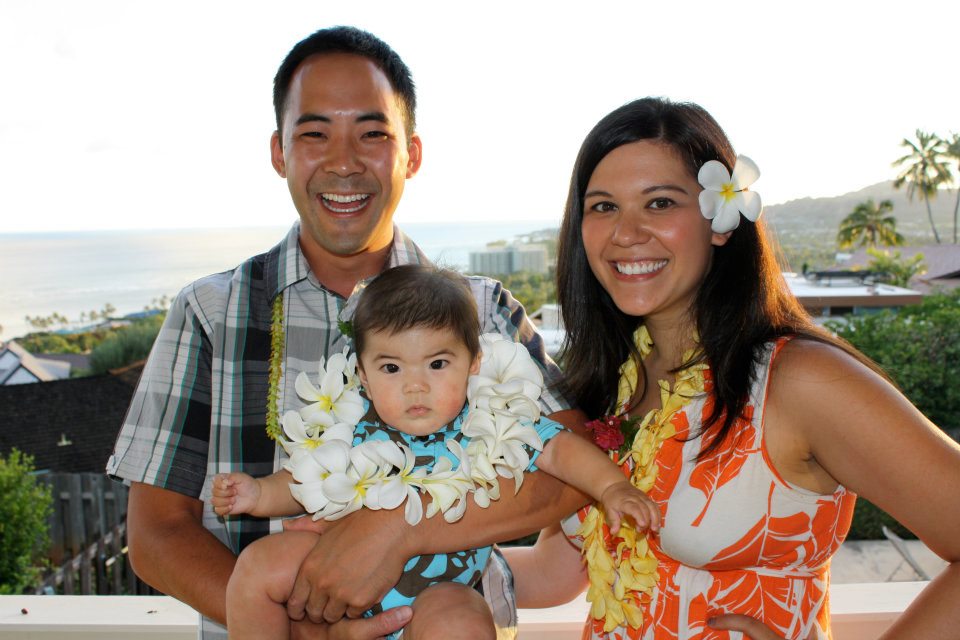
(736, 537)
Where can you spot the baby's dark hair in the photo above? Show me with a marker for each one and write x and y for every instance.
(414, 295)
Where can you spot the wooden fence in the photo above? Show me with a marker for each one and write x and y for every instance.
(88, 537)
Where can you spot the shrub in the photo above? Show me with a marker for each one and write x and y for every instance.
(126, 346)
(25, 506)
(919, 347)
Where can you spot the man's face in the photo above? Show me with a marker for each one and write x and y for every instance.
(345, 154)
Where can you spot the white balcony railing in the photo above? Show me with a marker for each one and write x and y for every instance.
(860, 612)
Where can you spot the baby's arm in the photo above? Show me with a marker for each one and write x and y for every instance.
(582, 465)
(235, 493)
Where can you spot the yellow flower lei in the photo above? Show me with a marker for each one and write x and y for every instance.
(620, 580)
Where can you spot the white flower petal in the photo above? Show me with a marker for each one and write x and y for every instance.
(314, 415)
(333, 456)
(745, 173)
(305, 389)
(413, 512)
(713, 175)
(752, 207)
(331, 384)
(728, 218)
(392, 493)
(710, 203)
(310, 495)
(340, 487)
(349, 407)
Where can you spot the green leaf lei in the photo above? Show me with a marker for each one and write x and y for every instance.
(275, 368)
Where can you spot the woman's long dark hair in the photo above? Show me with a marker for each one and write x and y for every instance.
(742, 304)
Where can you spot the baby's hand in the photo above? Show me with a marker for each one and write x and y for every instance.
(623, 499)
(234, 493)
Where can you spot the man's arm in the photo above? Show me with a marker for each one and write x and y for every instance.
(172, 551)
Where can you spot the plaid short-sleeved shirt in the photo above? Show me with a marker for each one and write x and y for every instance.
(200, 406)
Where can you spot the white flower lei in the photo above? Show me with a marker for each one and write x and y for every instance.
(334, 478)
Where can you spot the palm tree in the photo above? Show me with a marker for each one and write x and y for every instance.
(953, 153)
(924, 170)
(869, 225)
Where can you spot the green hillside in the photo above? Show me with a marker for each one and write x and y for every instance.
(807, 227)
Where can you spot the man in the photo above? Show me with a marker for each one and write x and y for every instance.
(346, 143)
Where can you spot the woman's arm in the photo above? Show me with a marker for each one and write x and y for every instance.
(868, 437)
(549, 573)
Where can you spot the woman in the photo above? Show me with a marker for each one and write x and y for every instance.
(754, 428)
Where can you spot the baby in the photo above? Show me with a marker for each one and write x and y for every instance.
(416, 336)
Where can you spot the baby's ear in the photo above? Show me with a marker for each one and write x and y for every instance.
(475, 367)
(362, 375)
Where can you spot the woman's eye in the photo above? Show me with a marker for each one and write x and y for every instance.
(661, 203)
(390, 368)
(438, 364)
(603, 207)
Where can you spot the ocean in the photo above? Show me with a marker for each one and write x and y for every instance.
(75, 272)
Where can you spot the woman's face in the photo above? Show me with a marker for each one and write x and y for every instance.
(645, 238)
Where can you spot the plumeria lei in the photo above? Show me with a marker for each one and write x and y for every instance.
(622, 568)
(334, 478)
(725, 196)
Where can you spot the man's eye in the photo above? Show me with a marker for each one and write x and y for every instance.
(312, 134)
(375, 134)
(438, 364)
(390, 368)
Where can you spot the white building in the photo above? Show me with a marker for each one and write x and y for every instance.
(501, 261)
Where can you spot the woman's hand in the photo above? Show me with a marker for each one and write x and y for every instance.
(751, 627)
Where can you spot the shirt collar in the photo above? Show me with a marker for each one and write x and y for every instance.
(290, 265)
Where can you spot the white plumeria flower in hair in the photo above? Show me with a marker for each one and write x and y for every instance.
(724, 196)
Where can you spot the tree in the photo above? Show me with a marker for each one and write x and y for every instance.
(869, 225)
(919, 347)
(924, 169)
(25, 506)
(952, 151)
(894, 269)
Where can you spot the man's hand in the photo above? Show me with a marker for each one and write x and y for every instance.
(357, 560)
(374, 628)
(234, 493)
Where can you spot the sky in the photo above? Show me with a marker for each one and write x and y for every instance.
(139, 115)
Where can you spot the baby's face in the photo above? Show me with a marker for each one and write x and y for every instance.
(416, 379)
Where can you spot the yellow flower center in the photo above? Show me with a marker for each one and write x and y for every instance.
(728, 191)
(325, 403)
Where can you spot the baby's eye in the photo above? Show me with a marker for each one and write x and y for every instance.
(438, 364)
(390, 368)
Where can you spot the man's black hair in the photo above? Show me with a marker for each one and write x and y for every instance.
(356, 42)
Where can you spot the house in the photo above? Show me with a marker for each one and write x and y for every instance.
(68, 426)
(19, 366)
(942, 260)
(828, 294)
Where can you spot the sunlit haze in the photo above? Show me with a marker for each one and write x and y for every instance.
(146, 114)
